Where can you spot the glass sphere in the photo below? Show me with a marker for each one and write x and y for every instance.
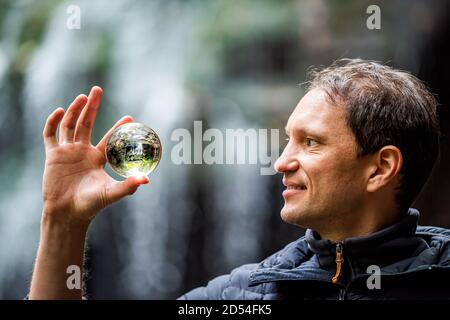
(133, 149)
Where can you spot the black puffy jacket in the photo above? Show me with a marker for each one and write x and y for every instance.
(414, 263)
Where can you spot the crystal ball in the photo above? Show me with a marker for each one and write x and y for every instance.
(133, 149)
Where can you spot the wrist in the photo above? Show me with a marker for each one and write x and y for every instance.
(63, 239)
(54, 225)
(61, 246)
(63, 218)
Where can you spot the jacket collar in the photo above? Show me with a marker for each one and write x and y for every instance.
(380, 248)
(395, 249)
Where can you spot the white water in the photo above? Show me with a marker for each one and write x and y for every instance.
(151, 47)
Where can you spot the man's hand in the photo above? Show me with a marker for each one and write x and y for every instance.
(75, 184)
(75, 189)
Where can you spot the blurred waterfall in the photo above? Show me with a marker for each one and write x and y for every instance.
(149, 47)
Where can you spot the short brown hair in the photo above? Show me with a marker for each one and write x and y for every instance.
(386, 106)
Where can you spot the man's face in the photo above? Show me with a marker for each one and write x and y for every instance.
(322, 174)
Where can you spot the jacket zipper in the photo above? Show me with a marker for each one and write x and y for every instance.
(339, 261)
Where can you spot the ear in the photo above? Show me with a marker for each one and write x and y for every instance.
(386, 165)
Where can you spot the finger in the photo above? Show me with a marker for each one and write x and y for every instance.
(68, 123)
(51, 125)
(102, 144)
(119, 190)
(85, 123)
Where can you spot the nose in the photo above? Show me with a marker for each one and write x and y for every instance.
(286, 162)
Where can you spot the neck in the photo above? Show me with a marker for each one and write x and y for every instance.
(359, 223)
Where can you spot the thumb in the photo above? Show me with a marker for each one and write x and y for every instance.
(121, 189)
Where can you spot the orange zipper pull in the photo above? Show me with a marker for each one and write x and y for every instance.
(339, 262)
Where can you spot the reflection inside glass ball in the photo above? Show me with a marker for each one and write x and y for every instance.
(133, 149)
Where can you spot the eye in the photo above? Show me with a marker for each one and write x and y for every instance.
(311, 142)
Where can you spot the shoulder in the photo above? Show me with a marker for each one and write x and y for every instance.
(235, 285)
(435, 236)
(433, 231)
(439, 240)
(230, 286)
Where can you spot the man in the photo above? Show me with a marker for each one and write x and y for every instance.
(362, 143)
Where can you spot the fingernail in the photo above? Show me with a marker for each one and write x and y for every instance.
(97, 88)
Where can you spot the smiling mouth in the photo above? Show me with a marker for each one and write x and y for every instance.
(296, 188)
